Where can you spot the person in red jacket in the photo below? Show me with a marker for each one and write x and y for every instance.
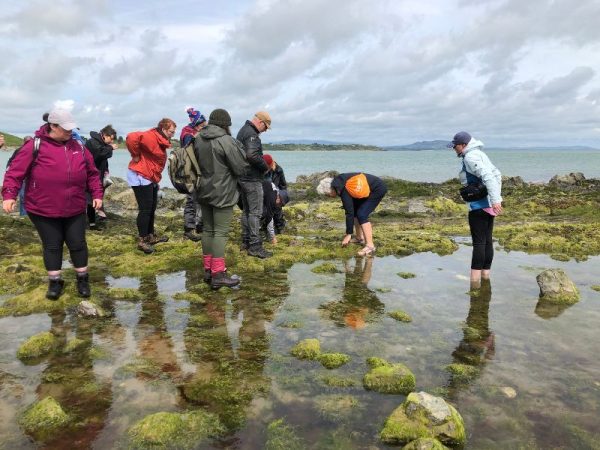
(148, 158)
(58, 177)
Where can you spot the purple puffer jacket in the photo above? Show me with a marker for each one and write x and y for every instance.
(58, 179)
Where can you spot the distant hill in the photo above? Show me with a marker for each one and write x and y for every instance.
(309, 141)
(11, 141)
(422, 145)
(319, 147)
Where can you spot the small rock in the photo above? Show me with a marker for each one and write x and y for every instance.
(416, 206)
(17, 268)
(508, 392)
(89, 309)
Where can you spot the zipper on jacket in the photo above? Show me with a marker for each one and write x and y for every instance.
(68, 180)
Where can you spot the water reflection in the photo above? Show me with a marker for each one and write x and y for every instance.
(359, 305)
(478, 343)
(70, 379)
(550, 310)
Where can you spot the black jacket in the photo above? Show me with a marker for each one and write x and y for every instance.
(376, 186)
(248, 136)
(100, 151)
(278, 178)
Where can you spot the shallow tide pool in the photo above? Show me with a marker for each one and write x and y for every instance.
(535, 382)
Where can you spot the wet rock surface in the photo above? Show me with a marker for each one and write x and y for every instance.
(557, 287)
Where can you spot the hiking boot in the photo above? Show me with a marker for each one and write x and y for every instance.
(220, 279)
(55, 288)
(243, 247)
(157, 239)
(191, 235)
(83, 285)
(259, 252)
(207, 276)
(144, 245)
(200, 228)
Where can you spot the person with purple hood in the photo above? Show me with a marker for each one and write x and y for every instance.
(192, 215)
(58, 177)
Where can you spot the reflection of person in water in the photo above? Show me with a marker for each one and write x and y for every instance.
(70, 379)
(359, 304)
(228, 377)
(154, 342)
(478, 343)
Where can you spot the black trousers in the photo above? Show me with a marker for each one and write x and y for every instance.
(55, 232)
(147, 199)
(481, 225)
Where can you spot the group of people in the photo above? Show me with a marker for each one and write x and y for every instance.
(65, 180)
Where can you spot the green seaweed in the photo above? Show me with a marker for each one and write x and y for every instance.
(43, 418)
(333, 360)
(307, 349)
(400, 316)
(38, 345)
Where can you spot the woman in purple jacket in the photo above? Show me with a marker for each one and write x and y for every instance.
(58, 176)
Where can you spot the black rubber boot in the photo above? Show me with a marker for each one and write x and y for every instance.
(207, 276)
(55, 288)
(221, 279)
(83, 285)
(259, 252)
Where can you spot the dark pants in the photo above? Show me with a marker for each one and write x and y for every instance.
(147, 199)
(363, 207)
(278, 219)
(481, 225)
(252, 201)
(192, 215)
(55, 232)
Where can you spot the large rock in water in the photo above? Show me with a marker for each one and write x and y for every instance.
(556, 287)
(423, 415)
(425, 444)
(388, 378)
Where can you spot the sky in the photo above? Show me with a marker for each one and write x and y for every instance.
(382, 72)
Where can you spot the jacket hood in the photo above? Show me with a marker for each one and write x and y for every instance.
(338, 184)
(212, 132)
(474, 144)
(96, 135)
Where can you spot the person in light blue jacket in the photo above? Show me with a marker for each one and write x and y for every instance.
(477, 168)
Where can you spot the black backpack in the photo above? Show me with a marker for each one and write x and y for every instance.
(36, 150)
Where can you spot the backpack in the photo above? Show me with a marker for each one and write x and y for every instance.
(36, 150)
(184, 170)
(358, 186)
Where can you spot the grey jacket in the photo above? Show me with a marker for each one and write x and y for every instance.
(222, 161)
(478, 163)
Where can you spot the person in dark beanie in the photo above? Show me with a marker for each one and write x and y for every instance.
(55, 196)
(222, 161)
(251, 183)
(192, 218)
(101, 146)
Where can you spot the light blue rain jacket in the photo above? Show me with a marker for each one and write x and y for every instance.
(478, 164)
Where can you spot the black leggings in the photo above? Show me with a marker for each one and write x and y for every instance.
(481, 225)
(55, 232)
(147, 199)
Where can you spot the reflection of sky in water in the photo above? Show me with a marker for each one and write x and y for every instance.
(549, 356)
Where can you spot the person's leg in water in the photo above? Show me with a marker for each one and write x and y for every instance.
(489, 249)
(483, 251)
(364, 210)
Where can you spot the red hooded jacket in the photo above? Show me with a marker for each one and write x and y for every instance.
(57, 180)
(151, 147)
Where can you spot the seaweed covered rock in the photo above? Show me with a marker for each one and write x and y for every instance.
(423, 415)
(174, 430)
(462, 372)
(555, 286)
(400, 316)
(388, 378)
(307, 349)
(90, 309)
(281, 436)
(43, 418)
(326, 268)
(333, 360)
(572, 179)
(37, 345)
(425, 444)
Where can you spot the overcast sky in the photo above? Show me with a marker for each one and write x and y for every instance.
(512, 72)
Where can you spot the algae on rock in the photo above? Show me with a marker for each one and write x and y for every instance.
(37, 345)
(333, 360)
(281, 436)
(307, 349)
(168, 430)
(424, 416)
(44, 418)
(400, 316)
(389, 378)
